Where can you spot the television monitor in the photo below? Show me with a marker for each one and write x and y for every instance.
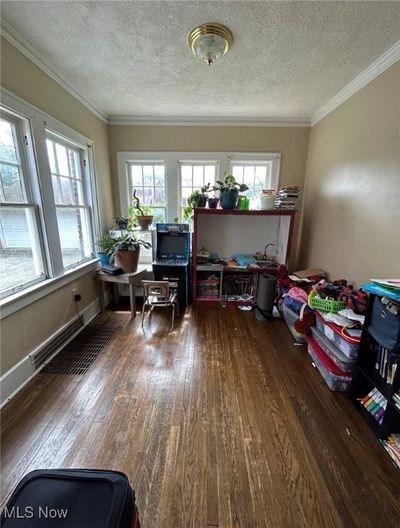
(170, 246)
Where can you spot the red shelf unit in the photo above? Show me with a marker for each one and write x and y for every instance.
(282, 231)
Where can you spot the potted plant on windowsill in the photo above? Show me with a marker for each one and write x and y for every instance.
(125, 251)
(196, 199)
(142, 214)
(229, 190)
(122, 222)
(105, 245)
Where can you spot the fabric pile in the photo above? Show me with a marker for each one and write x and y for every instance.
(208, 287)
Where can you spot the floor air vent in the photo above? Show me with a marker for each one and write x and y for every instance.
(81, 352)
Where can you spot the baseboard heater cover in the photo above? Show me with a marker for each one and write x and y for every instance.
(40, 356)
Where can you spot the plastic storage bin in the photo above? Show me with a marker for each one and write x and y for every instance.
(290, 318)
(335, 378)
(349, 346)
(332, 351)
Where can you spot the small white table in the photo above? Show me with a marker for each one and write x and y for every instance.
(132, 279)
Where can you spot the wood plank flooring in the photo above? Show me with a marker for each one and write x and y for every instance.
(221, 423)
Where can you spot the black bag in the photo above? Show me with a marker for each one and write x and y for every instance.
(385, 323)
(71, 498)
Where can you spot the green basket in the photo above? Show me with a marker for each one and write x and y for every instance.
(317, 303)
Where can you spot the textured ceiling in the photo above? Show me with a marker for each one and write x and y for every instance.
(132, 57)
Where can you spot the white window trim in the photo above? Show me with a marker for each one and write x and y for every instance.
(39, 123)
(171, 160)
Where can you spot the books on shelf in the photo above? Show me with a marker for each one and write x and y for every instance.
(386, 364)
(287, 197)
(375, 403)
(396, 399)
(392, 446)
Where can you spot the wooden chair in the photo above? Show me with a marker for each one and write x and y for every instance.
(159, 293)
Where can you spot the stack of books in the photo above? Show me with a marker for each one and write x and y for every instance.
(375, 403)
(287, 197)
(386, 364)
(392, 446)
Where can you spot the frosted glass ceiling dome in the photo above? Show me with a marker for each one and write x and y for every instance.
(210, 41)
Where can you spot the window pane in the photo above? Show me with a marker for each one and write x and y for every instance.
(66, 191)
(148, 198)
(186, 172)
(56, 189)
(148, 175)
(159, 215)
(198, 179)
(62, 160)
(159, 196)
(261, 176)
(75, 239)
(136, 172)
(237, 172)
(8, 150)
(209, 174)
(159, 176)
(75, 170)
(249, 175)
(50, 153)
(19, 248)
(11, 190)
(186, 192)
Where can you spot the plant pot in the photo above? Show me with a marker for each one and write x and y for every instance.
(122, 225)
(212, 203)
(127, 260)
(104, 260)
(144, 222)
(229, 199)
(202, 201)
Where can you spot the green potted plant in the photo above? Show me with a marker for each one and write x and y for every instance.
(122, 222)
(125, 251)
(142, 214)
(105, 245)
(198, 198)
(229, 190)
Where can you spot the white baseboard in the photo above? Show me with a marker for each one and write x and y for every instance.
(18, 376)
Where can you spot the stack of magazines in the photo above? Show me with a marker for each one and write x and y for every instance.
(287, 197)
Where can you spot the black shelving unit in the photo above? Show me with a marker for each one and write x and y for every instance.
(367, 378)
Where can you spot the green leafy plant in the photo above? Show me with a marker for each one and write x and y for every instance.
(198, 198)
(127, 242)
(105, 243)
(229, 183)
(122, 221)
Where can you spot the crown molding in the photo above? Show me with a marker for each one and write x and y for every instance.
(209, 121)
(26, 48)
(380, 65)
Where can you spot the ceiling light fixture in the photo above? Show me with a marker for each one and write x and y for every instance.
(210, 41)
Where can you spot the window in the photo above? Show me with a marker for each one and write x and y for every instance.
(47, 199)
(180, 173)
(257, 175)
(72, 209)
(20, 250)
(148, 178)
(193, 176)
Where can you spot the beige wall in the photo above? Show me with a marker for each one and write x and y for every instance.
(291, 142)
(26, 329)
(352, 201)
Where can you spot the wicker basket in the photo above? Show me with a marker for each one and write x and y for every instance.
(316, 303)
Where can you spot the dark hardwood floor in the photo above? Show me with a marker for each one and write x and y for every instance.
(221, 423)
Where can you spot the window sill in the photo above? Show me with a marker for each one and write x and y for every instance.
(20, 300)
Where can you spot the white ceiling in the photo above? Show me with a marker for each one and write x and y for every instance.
(131, 58)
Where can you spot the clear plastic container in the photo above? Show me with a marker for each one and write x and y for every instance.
(349, 346)
(332, 351)
(290, 318)
(335, 378)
